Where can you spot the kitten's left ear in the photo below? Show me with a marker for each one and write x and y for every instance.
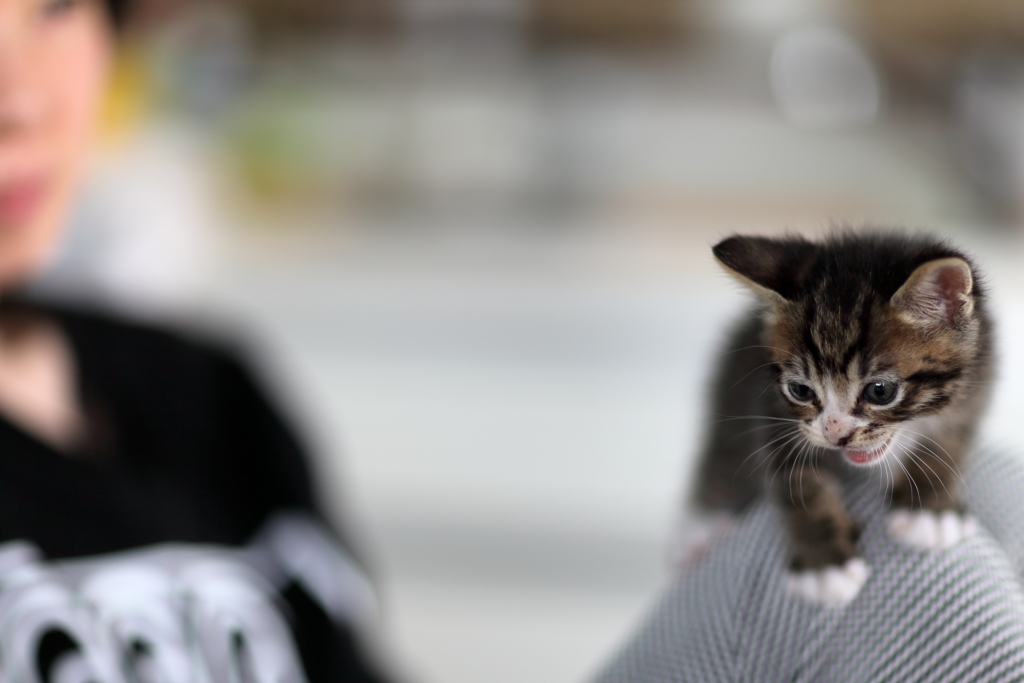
(938, 291)
(770, 267)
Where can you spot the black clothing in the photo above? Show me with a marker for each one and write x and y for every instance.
(118, 11)
(182, 447)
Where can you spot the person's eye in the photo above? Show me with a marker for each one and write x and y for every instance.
(57, 8)
(880, 393)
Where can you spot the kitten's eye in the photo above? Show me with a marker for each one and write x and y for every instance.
(800, 391)
(880, 393)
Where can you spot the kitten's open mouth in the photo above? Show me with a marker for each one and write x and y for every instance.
(864, 457)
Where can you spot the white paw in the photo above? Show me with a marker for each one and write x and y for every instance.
(831, 586)
(928, 530)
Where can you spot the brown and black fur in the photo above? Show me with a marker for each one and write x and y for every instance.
(828, 309)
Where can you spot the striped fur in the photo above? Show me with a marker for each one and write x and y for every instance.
(870, 349)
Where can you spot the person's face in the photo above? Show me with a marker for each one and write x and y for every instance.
(54, 57)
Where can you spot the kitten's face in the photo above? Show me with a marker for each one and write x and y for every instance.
(867, 333)
(855, 390)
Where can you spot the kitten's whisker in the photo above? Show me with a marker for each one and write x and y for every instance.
(910, 480)
(874, 348)
(774, 451)
(925, 436)
(802, 456)
(907, 429)
(782, 462)
(762, 346)
(799, 472)
(763, 365)
(755, 429)
(917, 458)
(890, 480)
(767, 458)
(794, 433)
(768, 387)
(751, 430)
(950, 465)
(887, 471)
(728, 418)
(880, 482)
(892, 483)
(758, 450)
(797, 468)
(772, 454)
(792, 469)
(808, 459)
(902, 467)
(814, 463)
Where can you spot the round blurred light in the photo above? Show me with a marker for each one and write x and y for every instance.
(821, 77)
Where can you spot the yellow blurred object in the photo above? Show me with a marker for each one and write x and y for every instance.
(948, 24)
(924, 43)
(129, 96)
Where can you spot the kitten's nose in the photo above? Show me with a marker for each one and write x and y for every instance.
(837, 428)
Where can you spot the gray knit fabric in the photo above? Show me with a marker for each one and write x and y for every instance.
(940, 616)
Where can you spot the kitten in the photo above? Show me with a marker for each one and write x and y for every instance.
(866, 348)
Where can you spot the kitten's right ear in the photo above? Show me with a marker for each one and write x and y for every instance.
(939, 291)
(770, 267)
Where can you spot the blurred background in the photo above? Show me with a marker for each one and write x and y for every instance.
(468, 243)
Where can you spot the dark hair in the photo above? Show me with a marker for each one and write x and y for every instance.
(118, 11)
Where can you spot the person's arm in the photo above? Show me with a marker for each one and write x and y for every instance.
(326, 589)
(953, 615)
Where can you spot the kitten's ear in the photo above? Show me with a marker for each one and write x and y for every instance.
(770, 267)
(938, 291)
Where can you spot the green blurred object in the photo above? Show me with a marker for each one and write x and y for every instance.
(306, 144)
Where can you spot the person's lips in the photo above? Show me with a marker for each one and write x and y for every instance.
(19, 199)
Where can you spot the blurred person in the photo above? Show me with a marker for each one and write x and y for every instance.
(117, 437)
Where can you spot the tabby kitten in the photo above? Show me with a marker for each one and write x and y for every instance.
(873, 349)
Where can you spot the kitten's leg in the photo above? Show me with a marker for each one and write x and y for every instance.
(740, 423)
(929, 513)
(825, 566)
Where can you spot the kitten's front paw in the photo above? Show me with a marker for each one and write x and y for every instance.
(930, 530)
(834, 586)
